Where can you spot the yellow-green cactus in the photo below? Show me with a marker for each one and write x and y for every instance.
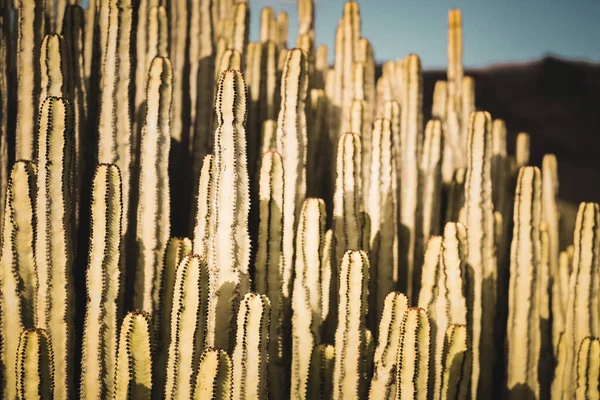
(383, 384)
(440, 100)
(306, 299)
(53, 247)
(523, 334)
(560, 294)
(588, 369)
(412, 365)
(103, 283)
(479, 222)
(455, 376)
(203, 228)
(18, 277)
(213, 379)
(350, 335)
(152, 230)
(53, 68)
(35, 371)
(283, 27)
(522, 149)
(268, 25)
(188, 325)
(455, 58)
(269, 260)
(133, 379)
(251, 355)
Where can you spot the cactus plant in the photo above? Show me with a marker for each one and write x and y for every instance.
(213, 379)
(456, 361)
(35, 366)
(588, 373)
(320, 383)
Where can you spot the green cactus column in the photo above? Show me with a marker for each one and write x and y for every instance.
(18, 278)
(153, 228)
(479, 222)
(54, 246)
(350, 335)
(213, 379)
(133, 379)
(35, 371)
(251, 356)
(103, 284)
(523, 329)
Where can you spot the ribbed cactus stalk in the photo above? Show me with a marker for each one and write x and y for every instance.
(350, 338)
(114, 119)
(53, 68)
(430, 188)
(306, 18)
(321, 67)
(411, 142)
(103, 283)
(479, 222)
(17, 269)
(582, 311)
(499, 167)
(213, 379)
(231, 59)
(440, 100)
(327, 266)
(53, 246)
(522, 151)
(383, 384)
(269, 136)
(560, 294)
(178, 55)
(550, 211)
(292, 145)
(467, 106)
(456, 362)
(392, 112)
(203, 228)
(250, 356)
(382, 206)
(188, 325)
(318, 151)
(320, 383)
(366, 56)
(269, 261)
(30, 32)
(283, 28)
(230, 243)
(152, 231)
(523, 332)
(241, 25)
(177, 250)
(306, 300)
(34, 368)
(133, 379)
(346, 55)
(268, 25)
(455, 58)
(412, 370)
(588, 369)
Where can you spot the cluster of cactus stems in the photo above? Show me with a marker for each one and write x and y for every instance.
(189, 214)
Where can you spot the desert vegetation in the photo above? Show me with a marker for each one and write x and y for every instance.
(190, 215)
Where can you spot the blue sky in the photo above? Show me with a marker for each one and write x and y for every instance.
(494, 30)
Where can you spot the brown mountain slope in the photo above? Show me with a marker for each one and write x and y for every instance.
(558, 103)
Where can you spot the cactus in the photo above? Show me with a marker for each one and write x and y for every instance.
(54, 68)
(17, 268)
(306, 300)
(479, 222)
(456, 362)
(320, 383)
(203, 228)
(522, 149)
(588, 372)
(213, 379)
(350, 337)
(250, 357)
(412, 370)
(152, 231)
(269, 260)
(523, 337)
(53, 247)
(188, 325)
(35, 371)
(133, 378)
(103, 282)
(455, 58)
(283, 23)
(382, 207)
(560, 293)
(383, 385)
(581, 317)
(268, 25)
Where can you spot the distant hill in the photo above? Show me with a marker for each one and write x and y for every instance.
(557, 102)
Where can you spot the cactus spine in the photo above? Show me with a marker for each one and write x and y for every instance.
(306, 302)
(523, 336)
(152, 231)
(35, 366)
(17, 269)
(188, 325)
(588, 369)
(412, 373)
(350, 335)
(99, 353)
(250, 357)
(53, 247)
(213, 379)
(133, 379)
